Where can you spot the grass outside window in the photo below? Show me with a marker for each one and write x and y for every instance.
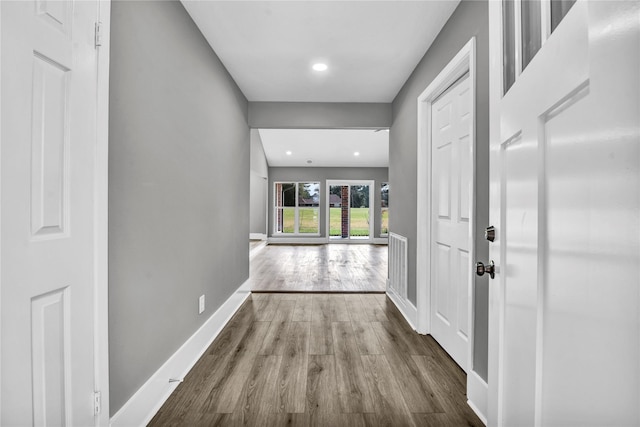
(359, 222)
(308, 221)
(384, 226)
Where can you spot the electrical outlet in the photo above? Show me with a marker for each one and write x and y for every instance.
(201, 304)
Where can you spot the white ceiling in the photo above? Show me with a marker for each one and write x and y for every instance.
(371, 47)
(326, 147)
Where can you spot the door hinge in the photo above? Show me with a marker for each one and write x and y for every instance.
(98, 35)
(97, 403)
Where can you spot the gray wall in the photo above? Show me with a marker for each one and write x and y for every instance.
(319, 115)
(470, 19)
(258, 162)
(179, 159)
(379, 175)
(259, 185)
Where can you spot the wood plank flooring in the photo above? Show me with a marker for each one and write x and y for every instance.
(254, 244)
(330, 360)
(319, 268)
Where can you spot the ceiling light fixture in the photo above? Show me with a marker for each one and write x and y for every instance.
(288, 153)
(357, 153)
(320, 66)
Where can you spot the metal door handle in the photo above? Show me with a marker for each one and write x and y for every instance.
(490, 269)
(490, 233)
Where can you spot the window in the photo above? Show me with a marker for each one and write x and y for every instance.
(359, 212)
(509, 45)
(297, 206)
(308, 207)
(559, 9)
(384, 209)
(526, 25)
(531, 30)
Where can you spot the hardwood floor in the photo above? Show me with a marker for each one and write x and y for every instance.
(320, 360)
(320, 268)
(254, 244)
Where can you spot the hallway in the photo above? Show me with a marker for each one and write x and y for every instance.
(319, 268)
(322, 360)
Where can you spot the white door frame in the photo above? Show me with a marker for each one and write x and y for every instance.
(0, 199)
(350, 182)
(463, 62)
(101, 211)
(265, 188)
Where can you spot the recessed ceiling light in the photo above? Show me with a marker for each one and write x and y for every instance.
(320, 66)
(288, 153)
(357, 153)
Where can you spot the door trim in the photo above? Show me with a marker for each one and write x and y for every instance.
(265, 188)
(101, 212)
(1, 199)
(464, 62)
(494, 398)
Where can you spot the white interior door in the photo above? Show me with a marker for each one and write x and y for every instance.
(565, 199)
(47, 235)
(451, 195)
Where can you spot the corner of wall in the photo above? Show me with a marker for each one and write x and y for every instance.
(144, 404)
(406, 307)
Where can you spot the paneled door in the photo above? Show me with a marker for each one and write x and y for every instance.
(451, 197)
(48, 177)
(565, 201)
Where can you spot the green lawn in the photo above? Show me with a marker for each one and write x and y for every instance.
(359, 222)
(384, 229)
(309, 221)
(288, 221)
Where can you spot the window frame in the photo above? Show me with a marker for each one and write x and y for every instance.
(382, 185)
(546, 31)
(296, 209)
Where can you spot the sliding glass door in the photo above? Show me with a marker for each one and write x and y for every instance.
(350, 215)
(359, 212)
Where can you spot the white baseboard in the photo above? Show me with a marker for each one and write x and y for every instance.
(257, 248)
(298, 240)
(257, 236)
(324, 240)
(144, 404)
(408, 310)
(374, 241)
(478, 395)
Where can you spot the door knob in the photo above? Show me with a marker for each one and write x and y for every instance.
(490, 233)
(490, 269)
